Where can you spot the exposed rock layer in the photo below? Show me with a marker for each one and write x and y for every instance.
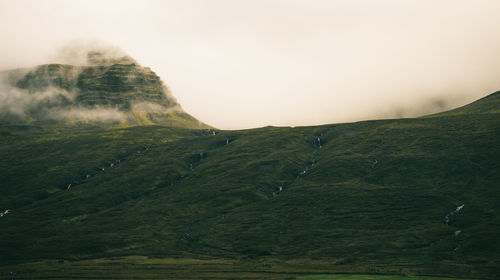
(118, 88)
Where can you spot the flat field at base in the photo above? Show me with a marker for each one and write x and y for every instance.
(141, 267)
(372, 277)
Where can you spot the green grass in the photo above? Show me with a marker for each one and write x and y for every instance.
(162, 201)
(372, 277)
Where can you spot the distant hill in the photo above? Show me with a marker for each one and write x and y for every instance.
(486, 105)
(106, 89)
(413, 196)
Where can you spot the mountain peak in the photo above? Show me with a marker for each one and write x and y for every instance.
(90, 84)
(101, 58)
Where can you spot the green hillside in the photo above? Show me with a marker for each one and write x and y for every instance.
(486, 105)
(405, 196)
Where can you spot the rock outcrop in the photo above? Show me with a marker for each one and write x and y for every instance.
(106, 89)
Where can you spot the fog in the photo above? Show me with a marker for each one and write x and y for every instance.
(86, 52)
(18, 102)
(241, 64)
(49, 104)
(86, 114)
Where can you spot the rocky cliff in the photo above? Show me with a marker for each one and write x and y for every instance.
(106, 89)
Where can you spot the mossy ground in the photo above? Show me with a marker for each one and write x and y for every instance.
(371, 277)
(373, 199)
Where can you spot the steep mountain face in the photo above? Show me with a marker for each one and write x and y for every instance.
(107, 89)
(402, 196)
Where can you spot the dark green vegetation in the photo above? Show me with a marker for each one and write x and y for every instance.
(370, 277)
(376, 197)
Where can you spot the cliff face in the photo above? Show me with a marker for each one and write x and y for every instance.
(105, 90)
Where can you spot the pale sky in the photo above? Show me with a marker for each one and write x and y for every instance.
(241, 64)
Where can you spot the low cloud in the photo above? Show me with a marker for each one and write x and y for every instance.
(88, 115)
(154, 108)
(21, 103)
(49, 104)
(420, 107)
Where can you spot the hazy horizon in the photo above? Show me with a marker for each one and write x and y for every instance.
(245, 64)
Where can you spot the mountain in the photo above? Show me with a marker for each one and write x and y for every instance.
(108, 88)
(415, 196)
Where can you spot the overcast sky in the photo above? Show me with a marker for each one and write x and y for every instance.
(241, 64)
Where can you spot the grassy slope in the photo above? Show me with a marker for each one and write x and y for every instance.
(345, 214)
(487, 105)
(369, 277)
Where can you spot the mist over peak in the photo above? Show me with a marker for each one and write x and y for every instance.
(91, 53)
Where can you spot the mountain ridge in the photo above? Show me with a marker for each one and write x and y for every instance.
(114, 90)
